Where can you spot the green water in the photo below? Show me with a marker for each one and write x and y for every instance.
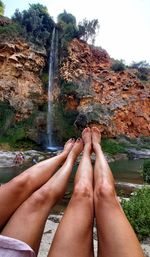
(123, 171)
(7, 174)
(128, 171)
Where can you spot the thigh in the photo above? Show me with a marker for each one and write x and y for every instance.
(12, 194)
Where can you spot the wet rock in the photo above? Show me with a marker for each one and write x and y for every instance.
(138, 154)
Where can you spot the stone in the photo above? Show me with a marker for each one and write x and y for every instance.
(118, 102)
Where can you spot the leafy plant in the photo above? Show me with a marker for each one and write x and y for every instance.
(10, 30)
(2, 8)
(112, 147)
(118, 66)
(146, 171)
(137, 210)
(143, 69)
(88, 30)
(36, 23)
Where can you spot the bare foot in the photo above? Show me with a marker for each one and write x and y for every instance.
(96, 137)
(77, 148)
(86, 136)
(68, 146)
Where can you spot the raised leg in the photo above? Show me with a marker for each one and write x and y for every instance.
(13, 193)
(27, 223)
(73, 237)
(116, 237)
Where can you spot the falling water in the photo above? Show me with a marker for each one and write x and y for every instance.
(53, 61)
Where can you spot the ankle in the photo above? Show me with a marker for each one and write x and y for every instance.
(64, 154)
(96, 147)
(87, 148)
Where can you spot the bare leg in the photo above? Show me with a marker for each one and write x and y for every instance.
(27, 223)
(73, 237)
(115, 235)
(13, 193)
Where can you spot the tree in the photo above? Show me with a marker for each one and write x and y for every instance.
(88, 30)
(66, 18)
(37, 24)
(2, 8)
(141, 64)
(68, 30)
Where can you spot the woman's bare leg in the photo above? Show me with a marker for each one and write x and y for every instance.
(27, 223)
(115, 235)
(73, 237)
(13, 193)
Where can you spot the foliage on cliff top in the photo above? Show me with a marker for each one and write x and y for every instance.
(8, 31)
(118, 65)
(37, 26)
(143, 69)
(2, 8)
(36, 23)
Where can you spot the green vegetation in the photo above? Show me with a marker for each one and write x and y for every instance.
(44, 78)
(112, 147)
(143, 69)
(16, 135)
(140, 143)
(88, 30)
(68, 87)
(146, 171)
(68, 30)
(67, 26)
(2, 8)
(36, 23)
(118, 66)
(63, 121)
(137, 210)
(10, 30)
(6, 117)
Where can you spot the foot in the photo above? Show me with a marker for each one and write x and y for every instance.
(77, 148)
(68, 146)
(96, 137)
(86, 136)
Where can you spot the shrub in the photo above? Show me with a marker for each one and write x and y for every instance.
(10, 30)
(137, 210)
(143, 73)
(146, 171)
(118, 66)
(112, 147)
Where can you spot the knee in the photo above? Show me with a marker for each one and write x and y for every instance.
(38, 199)
(104, 191)
(20, 184)
(83, 191)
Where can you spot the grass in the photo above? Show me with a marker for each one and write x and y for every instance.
(112, 147)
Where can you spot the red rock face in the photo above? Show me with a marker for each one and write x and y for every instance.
(20, 85)
(117, 102)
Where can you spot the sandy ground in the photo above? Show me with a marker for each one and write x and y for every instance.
(49, 231)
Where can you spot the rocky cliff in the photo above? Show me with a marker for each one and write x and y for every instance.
(20, 85)
(88, 92)
(117, 102)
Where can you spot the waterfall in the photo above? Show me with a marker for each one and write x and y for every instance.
(53, 62)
